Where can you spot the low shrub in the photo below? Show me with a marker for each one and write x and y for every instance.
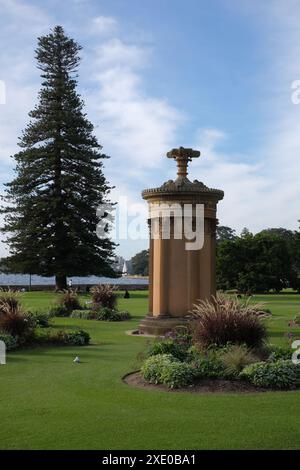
(206, 367)
(153, 367)
(225, 320)
(59, 311)
(62, 337)
(104, 295)
(177, 374)
(236, 358)
(177, 343)
(70, 301)
(106, 314)
(41, 319)
(279, 352)
(165, 347)
(11, 342)
(282, 374)
(124, 315)
(167, 370)
(79, 338)
(84, 314)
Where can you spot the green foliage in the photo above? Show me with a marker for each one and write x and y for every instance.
(279, 352)
(104, 314)
(166, 347)
(62, 337)
(59, 311)
(104, 295)
(79, 338)
(41, 319)
(140, 263)
(166, 369)
(50, 215)
(256, 263)
(107, 314)
(208, 366)
(224, 233)
(176, 342)
(124, 315)
(153, 367)
(236, 358)
(84, 314)
(10, 341)
(224, 320)
(177, 374)
(282, 374)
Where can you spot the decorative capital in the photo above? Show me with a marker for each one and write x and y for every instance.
(183, 156)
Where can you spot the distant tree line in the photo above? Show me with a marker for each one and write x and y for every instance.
(267, 261)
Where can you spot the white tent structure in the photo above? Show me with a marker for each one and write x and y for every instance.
(124, 270)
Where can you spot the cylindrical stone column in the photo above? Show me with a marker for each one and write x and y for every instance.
(179, 276)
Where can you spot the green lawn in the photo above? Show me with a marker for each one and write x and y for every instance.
(48, 402)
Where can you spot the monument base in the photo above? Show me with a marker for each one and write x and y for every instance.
(160, 325)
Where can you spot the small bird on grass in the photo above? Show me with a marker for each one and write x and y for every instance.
(77, 359)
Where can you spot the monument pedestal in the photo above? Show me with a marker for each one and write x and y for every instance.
(159, 325)
(181, 270)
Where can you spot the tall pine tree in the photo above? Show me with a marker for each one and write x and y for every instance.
(50, 206)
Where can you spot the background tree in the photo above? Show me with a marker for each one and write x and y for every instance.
(255, 263)
(295, 253)
(224, 233)
(284, 233)
(245, 233)
(140, 263)
(51, 204)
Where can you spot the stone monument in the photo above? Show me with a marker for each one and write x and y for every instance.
(181, 271)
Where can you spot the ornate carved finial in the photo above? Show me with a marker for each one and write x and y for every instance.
(182, 157)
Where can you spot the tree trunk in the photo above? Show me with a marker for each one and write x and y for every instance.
(61, 282)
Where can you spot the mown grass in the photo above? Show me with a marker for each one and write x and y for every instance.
(48, 402)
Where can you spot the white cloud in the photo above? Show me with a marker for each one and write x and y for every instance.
(20, 14)
(104, 25)
(136, 128)
(244, 184)
(115, 53)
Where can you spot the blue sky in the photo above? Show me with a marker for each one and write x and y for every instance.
(215, 75)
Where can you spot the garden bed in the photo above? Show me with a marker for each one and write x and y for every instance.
(224, 350)
(136, 380)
